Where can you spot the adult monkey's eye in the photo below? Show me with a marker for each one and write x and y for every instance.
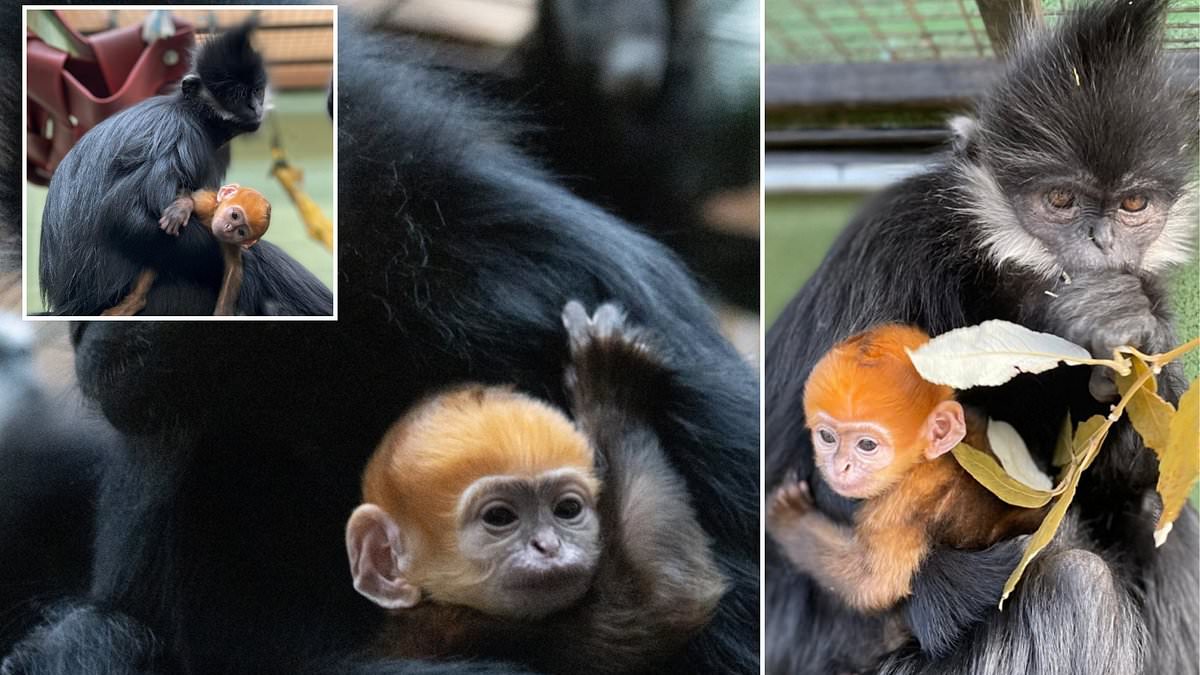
(568, 509)
(827, 436)
(499, 516)
(1134, 203)
(1060, 199)
(867, 445)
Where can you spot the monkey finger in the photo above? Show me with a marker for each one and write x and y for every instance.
(575, 320)
(609, 320)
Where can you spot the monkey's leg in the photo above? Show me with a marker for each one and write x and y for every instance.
(136, 300)
(231, 282)
(870, 570)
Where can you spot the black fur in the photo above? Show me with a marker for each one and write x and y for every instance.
(51, 456)
(645, 137)
(100, 223)
(916, 254)
(221, 528)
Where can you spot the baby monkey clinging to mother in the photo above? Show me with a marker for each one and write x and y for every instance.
(237, 218)
(495, 527)
(883, 434)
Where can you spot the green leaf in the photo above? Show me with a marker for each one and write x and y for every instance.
(1179, 460)
(987, 471)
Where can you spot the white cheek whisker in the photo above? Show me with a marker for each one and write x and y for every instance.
(1004, 239)
(1176, 244)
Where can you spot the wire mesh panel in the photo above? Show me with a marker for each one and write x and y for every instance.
(865, 31)
(1183, 20)
(814, 31)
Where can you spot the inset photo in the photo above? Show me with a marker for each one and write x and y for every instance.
(179, 163)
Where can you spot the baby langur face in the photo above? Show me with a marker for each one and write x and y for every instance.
(852, 455)
(535, 542)
(232, 225)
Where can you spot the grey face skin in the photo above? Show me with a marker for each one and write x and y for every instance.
(535, 543)
(1090, 229)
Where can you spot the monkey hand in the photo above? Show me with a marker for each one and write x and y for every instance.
(612, 361)
(788, 503)
(1105, 310)
(175, 216)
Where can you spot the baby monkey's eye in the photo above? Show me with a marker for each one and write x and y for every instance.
(234, 215)
(568, 509)
(867, 445)
(499, 516)
(1060, 199)
(241, 232)
(827, 436)
(1134, 203)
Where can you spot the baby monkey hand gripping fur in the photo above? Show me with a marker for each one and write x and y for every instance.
(494, 527)
(882, 434)
(236, 216)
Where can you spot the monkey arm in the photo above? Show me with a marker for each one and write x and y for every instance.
(658, 581)
(869, 568)
(176, 214)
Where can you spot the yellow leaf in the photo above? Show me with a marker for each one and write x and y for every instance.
(1149, 413)
(1064, 450)
(1044, 533)
(985, 469)
(1179, 460)
(1088, 438)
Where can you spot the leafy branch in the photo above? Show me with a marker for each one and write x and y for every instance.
(996, 351)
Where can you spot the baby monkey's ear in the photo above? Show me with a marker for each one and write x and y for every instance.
(945, 428)
(379, 562)
(227, 191)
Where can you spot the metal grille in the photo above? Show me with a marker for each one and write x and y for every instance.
(1183, 21)
(858, 31)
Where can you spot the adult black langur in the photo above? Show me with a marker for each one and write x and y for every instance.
(219, 531)
(100, 222)
(1066, 199)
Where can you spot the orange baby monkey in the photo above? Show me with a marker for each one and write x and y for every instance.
(494, 526)
(882, 434)
(236, 216)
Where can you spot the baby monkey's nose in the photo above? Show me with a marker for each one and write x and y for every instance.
(546, 543)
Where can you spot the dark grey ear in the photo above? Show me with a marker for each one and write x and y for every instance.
(964, 131)
(191, 85)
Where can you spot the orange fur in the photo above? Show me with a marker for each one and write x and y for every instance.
(870, 377)
(447, 442)
(253, 203)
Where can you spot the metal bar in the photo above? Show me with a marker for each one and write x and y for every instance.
(915, 84)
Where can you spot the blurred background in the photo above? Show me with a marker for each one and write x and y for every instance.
(649, 108)
(857, 94)
(298, 48)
